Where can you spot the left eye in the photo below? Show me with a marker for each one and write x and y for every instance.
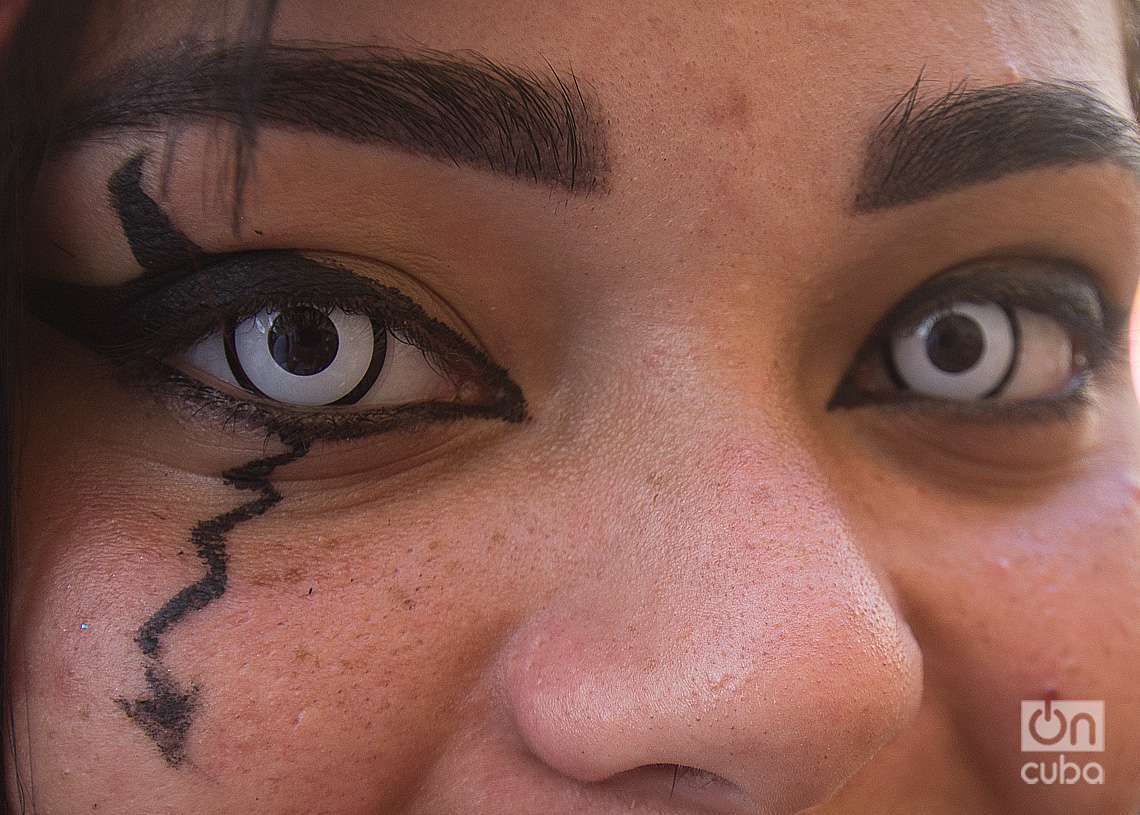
(968, 351)
(308, 356)
(999, 335)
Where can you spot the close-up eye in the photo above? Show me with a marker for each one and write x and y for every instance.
(971, 351)
(1008, 332)
(307, 356)
(289, 341)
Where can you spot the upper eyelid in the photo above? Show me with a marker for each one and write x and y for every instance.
(1056, 288)
(173, 313)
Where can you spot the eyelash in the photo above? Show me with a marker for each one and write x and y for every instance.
(144, 323)
(1057, 289)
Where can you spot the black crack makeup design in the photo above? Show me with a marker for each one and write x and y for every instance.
(166, 712)
(182, 296)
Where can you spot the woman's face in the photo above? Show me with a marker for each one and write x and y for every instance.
(751, 430)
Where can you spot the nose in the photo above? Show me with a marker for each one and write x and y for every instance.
(737, 650)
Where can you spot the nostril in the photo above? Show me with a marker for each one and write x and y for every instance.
(682, 786)
(692, 775)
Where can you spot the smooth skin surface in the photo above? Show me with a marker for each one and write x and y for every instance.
(682, 557)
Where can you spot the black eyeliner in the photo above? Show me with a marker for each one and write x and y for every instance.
(137, 325)
(185, 294)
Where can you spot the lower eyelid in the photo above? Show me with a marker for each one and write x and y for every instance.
(203, 400)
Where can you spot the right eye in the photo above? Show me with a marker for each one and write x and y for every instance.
(308, 356)
(296, 344)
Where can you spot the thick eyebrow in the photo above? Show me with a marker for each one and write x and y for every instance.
(466, 110)
(924, 148)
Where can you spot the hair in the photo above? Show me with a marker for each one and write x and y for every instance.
(35, 65)
(1131, 15)
(30, 74)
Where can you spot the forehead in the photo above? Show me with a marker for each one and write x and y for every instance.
(818, 49)
(714, 101)
(723, 120)
(706, 85)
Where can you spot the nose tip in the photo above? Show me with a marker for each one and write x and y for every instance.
(725, 706)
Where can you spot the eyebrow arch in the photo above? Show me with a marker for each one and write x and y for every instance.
(465, 110)
(923, 148)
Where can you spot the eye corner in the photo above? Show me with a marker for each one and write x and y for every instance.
(847, 396)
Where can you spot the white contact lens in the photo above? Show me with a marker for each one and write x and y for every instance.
(304, 355)
(964, 352)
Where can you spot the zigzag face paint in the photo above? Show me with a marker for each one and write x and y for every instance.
(166, 713)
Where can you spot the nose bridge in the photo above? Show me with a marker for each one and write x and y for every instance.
(741, 632)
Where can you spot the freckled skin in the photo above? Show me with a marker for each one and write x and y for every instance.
(167, 713)
(682, 558)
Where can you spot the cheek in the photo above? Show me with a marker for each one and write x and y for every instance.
(1021, 605)
(1134, 343)
(91, 557)
(355, 642)
(351, 627)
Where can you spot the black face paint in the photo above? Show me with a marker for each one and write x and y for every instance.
(156, 243)
(185, 295)
(166, 713)
(181, 297)
(209, 539)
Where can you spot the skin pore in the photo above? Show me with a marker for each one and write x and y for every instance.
(633, 554)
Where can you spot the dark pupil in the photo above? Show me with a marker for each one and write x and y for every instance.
(955, 343)
(303, 340)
